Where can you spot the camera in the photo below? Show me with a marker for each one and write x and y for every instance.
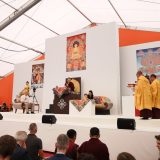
(34, 89)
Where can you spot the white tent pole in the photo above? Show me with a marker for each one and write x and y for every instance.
(31, 18)
(22, 45)
(16, 14)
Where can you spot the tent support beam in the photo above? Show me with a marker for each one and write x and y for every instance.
(16, 14)
(79, 11)
(6, 62)
(22, 45)
(117, 13)
(30, 18)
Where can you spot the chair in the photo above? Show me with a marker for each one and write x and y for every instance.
(18, 105)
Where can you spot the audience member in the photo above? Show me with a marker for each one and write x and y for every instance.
(94, 146)
(85, 156)
(125, 156)
(90, 95)
(72, 149)
(20, 153)
(34, 144)
(62, 146)
(158, 144)
(7, 146)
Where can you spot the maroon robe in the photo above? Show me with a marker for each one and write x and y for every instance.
(95, 147)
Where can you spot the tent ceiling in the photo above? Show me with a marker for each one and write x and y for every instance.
(62, 17)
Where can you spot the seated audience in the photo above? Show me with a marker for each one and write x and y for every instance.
(90, 95)
(34, 144)
(125, 156)
(27, 104)
(7, 146)
(62, 146)
(94, 146)
(4, 108)
(72, 149)
(20, 153)
(158, 144)
(85, 156)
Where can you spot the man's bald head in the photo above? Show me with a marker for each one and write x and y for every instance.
(139, 73)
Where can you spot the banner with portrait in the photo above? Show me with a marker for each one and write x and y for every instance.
(76, 53)
(37, 76)
(148, 61)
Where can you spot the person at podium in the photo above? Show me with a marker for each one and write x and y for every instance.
(69, 85)
(143, 96)
(155, 88)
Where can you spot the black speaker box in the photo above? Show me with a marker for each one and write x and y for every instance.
(125, 123)
(50, 119)
(1, 117)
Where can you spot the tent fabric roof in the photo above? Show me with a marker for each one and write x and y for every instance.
(61, 17)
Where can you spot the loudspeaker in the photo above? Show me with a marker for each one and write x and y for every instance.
(125, 123)
(51, 119)
(1, 117)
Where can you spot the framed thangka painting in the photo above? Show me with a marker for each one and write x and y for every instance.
(148, 61)
(76, 53)
(37, 76)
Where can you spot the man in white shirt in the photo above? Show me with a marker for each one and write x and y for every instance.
(26, 100)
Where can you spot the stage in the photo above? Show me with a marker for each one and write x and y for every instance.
(139, 142)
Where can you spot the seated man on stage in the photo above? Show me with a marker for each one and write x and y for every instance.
(143, 96)
(27, 104)
(155, 88)
(69, 85)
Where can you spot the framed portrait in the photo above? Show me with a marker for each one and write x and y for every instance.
(148, 61)
(76, 53)
(37, 76)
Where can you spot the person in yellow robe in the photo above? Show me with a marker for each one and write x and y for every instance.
(25, 89)
(143, 96)
(155, 88)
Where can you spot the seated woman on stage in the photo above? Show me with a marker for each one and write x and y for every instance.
(90, 95)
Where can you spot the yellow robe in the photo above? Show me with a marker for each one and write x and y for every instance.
(143, 96)
(155, 88)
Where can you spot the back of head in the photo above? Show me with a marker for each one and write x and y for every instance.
(62, 142)
(157, 137)
(33, 127)
(153, 76)
(85, 156)
(21, 136)
(139, 73)
(71, 133)
(94, 132)
(7, 145)
(125, 156)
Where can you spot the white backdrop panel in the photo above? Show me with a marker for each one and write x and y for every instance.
(128, 64)
(102, 73)
(23, 73)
